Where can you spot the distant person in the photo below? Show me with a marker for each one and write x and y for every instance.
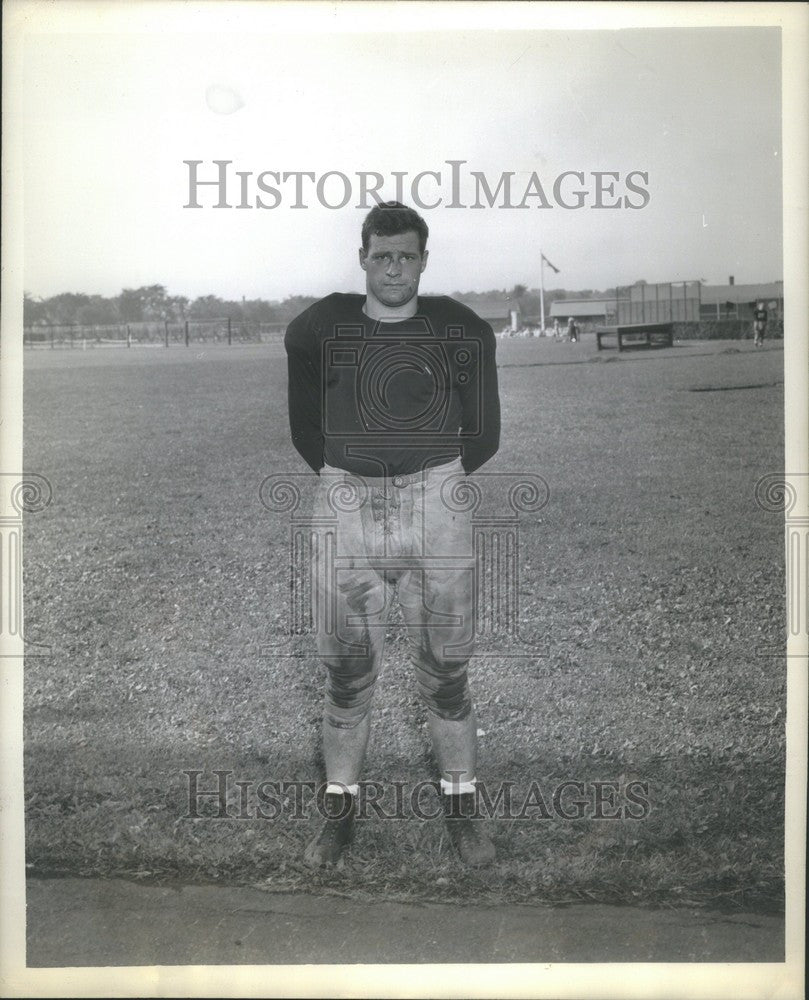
(759, 324)
(572, 330)
(557, 330)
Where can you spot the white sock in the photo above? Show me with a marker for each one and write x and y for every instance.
(338, 788)
(457, 787)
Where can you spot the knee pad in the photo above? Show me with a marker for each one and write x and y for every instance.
(444, 687)
(349, 691)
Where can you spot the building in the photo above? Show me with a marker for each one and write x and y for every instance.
(585, 311)
(498, 309)
(734, 301)
(680, 301)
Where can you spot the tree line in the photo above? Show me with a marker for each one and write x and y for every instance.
(152, 303)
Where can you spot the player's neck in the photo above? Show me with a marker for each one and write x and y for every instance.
(376, 310)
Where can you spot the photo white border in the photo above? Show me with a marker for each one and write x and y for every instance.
(624, 980)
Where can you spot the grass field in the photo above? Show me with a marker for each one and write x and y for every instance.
(653, 578)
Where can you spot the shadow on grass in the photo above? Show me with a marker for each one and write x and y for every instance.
(707, 840)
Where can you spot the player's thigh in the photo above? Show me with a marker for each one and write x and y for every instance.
(437, 594)
(351, 598)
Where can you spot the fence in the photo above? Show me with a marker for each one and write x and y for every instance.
(726, 329)
(163, 333)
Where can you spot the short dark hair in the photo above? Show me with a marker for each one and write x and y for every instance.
(392, 218)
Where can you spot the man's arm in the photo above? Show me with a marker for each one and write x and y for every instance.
(480, 422)
(304, 390)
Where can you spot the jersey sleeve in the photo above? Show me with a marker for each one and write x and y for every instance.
(304, 388)
(480, 401)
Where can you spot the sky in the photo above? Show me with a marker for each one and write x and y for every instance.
(110, 118)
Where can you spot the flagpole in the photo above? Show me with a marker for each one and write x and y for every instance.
(541, 293)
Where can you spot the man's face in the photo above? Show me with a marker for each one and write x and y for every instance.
(393, 266)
